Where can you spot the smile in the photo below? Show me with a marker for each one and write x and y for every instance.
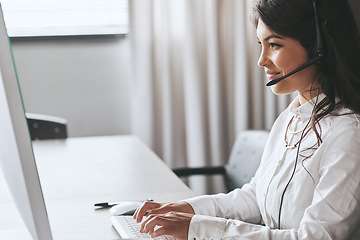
(272, 75)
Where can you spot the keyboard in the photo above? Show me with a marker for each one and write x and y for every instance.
(127, 227)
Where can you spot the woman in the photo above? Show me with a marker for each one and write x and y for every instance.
(308, 183)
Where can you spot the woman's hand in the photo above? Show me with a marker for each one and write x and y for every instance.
(175, 224)
(161, 208)
(171, 218)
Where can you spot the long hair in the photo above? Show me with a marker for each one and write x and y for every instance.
(339, 70)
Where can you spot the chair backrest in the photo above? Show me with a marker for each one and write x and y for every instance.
(245, 157)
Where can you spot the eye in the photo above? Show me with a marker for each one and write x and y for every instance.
(275, 45)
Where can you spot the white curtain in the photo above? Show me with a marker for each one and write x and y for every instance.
(195, 81)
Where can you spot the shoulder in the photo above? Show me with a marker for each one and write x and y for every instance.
(340, 147)
(343, 120)
(340, 131)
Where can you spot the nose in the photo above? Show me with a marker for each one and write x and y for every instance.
(262, 61)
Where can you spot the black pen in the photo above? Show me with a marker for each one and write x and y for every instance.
(105, 204)
(111, 204)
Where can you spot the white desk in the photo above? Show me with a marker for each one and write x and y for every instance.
(78, 172)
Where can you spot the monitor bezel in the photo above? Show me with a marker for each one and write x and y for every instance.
(16, 155)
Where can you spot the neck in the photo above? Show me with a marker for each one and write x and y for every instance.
(307, 95)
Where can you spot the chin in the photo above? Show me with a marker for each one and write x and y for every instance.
(275, 90)
(281, 89)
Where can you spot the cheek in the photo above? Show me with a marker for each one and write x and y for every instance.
(287, 61)
(284, 61)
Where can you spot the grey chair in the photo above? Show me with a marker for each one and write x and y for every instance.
(243, 161)
(46, 127)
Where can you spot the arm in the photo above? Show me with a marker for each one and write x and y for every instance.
(238, 204)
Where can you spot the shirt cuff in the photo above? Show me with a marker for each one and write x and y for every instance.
(202, 205)
(205, 227)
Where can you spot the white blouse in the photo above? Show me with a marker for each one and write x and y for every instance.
(321, 202)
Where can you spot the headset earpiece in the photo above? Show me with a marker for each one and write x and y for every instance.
(319, 47)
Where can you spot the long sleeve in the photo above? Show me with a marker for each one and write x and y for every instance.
(238, 204)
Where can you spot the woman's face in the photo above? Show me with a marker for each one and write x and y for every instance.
(281, 55)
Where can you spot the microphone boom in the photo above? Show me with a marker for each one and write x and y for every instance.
(305, 65)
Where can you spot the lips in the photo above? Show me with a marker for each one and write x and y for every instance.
(272, 75)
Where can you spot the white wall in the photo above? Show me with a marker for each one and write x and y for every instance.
(82, 79)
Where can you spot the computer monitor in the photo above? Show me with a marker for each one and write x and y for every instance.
(16, 154)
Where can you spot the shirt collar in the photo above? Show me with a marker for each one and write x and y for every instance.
(304, 111)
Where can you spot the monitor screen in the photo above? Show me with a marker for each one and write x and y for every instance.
(16, 154)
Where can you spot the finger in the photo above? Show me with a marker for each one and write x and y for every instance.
(136, 213)
(174, 223)
(140, 211)
(154, 220)
(176, 207)
(164, 208)
(144, 208)
(159, 232)
(148, 224)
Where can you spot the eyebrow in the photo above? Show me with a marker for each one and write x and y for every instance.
(273, 36)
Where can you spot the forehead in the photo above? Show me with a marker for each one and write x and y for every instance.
(263, 31)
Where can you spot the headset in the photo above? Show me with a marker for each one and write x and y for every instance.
(318, 54)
